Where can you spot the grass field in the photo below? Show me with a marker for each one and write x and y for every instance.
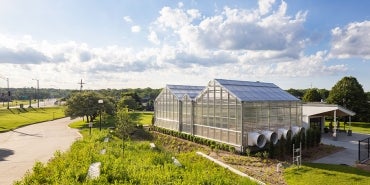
(359, 127)
(16, 103)
(312, 173)
(14, 118)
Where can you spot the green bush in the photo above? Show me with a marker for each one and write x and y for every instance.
(139, 165)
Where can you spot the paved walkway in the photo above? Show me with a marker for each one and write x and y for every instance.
(349, 155)
(21, 148)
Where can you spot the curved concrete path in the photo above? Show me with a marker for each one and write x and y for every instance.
(349, 155)
(21, 148)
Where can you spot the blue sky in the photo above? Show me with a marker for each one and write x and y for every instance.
(128, 44)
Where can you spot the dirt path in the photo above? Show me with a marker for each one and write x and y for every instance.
(21, 148)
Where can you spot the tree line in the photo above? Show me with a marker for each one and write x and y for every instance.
(347, 92)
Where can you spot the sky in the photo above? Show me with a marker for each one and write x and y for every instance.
(119, 44)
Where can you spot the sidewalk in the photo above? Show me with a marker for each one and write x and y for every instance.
(21, 148)
(349, 155)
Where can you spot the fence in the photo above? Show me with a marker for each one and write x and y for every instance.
(364, 150)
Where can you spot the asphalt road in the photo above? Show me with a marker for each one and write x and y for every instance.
(21, 148)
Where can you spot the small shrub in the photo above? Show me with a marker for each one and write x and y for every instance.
(248, 152)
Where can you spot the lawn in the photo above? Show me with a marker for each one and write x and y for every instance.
(359, 127)
(16, 103)
(16, 117)
(312, 173)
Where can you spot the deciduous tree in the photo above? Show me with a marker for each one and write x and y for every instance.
(348, 92)
(311, 95)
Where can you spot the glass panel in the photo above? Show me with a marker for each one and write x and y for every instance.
(217, 134)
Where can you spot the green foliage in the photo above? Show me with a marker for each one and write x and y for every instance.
(86, 104)
(296, 92)
(140, 165)
(125, 123)
(128, 102)
(349, 93)
(203, 141)
(312, 173)
(312, 95)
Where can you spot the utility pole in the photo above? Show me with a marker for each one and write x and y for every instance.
(81, 83)
(38, 93)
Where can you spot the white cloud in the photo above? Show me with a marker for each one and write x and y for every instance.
(127, 19)
(135, 29)
(152, 37)
(265, 6)
(233, 43)
(353, 40)
(180, 4)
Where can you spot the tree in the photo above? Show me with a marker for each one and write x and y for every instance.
(312, 95)
(127, 102)
(349, 93)
(86, 104)
(296, 92)
(124, 123)
(324, 93)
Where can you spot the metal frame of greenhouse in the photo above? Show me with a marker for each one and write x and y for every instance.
(238, 113)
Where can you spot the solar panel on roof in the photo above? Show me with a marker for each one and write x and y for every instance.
(255, 91)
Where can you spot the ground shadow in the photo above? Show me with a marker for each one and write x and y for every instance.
(4, 153)
(26, 134)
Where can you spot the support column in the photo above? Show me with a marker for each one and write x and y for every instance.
(335, 126)
(349, 128)
(322, 124)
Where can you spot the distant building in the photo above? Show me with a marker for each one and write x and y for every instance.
(239, 113)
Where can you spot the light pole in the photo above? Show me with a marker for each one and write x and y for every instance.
(38, 97)
(100, 102)
(7, 82)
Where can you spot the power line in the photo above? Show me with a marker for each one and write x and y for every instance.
(81, 85)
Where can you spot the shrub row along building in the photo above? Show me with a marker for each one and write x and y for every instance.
(239, 113)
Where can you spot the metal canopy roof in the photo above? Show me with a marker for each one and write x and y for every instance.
(323, 109)
(256, 91)
(181, 90)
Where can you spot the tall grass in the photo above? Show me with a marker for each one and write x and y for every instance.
(136, 164)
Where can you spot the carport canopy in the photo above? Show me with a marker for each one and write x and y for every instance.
(323, 109)
(311, 110)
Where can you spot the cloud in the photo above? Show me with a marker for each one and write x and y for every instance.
(21, 56)
(232, 43)
(265, 6)
(351, 41)
(135, 29)
(127, 19)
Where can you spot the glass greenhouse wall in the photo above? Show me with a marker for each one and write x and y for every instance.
(173, 108)
(167, 110)
(238, 113)
(218, 115)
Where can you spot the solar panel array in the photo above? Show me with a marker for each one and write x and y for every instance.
(256, 91)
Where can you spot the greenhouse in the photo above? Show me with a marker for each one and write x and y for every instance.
(239, 113)
(173, 108)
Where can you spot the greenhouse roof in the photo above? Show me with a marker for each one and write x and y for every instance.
(181, 90)
(256, 91)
